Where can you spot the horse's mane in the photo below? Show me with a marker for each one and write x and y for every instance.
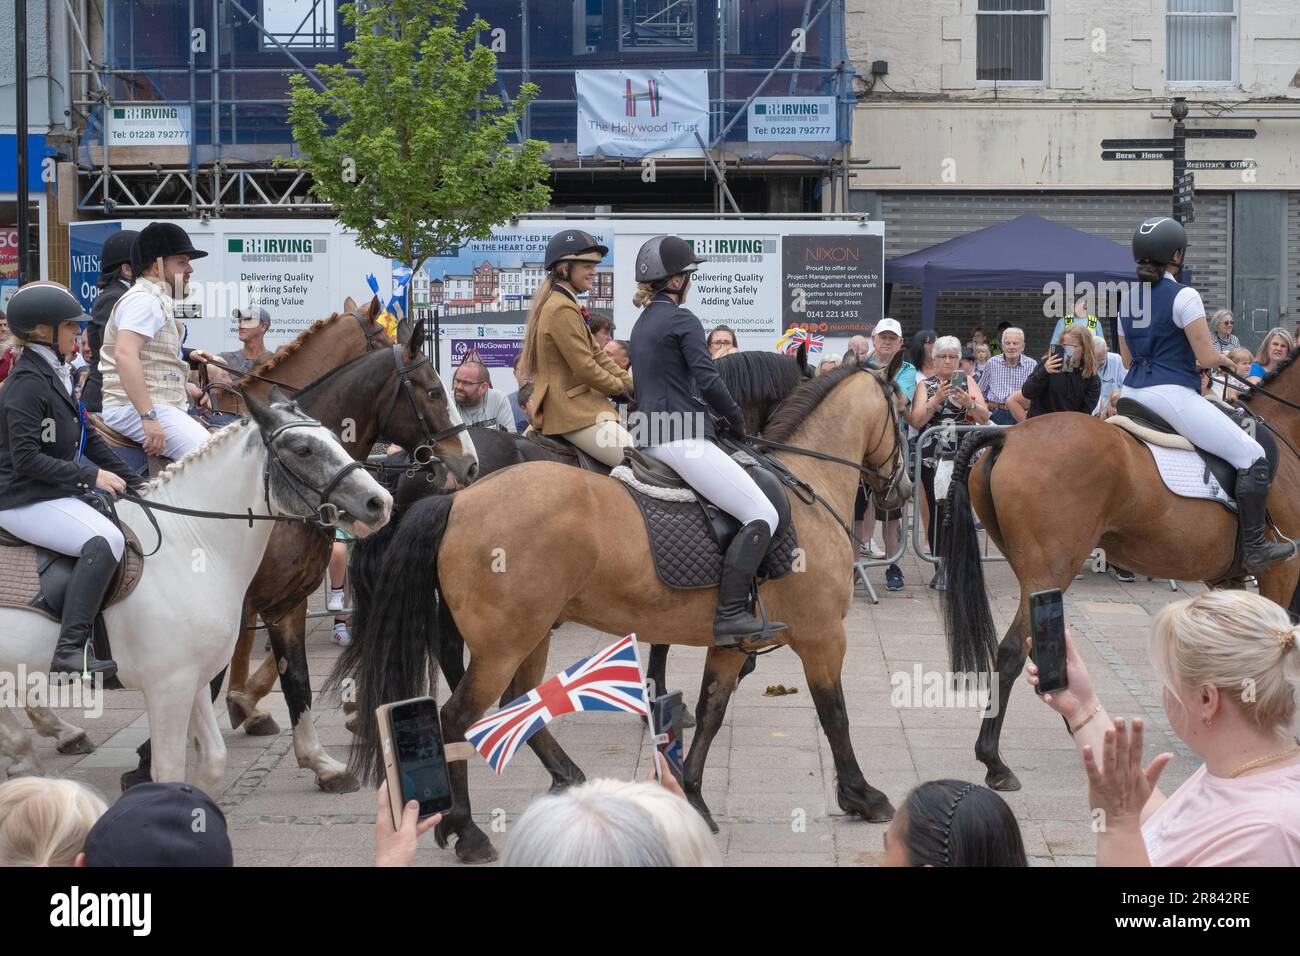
(801, 403)
(285, 352)
(759, 378)
(1272, 376)
(179, 465)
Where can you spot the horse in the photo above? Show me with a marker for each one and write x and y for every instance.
(176, 629)
(360, 399)
(1052, 489)
(552, 526)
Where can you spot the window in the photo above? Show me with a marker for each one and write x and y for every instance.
(1011, 42)
(657, 25)
(1202, 42)
(299, 24)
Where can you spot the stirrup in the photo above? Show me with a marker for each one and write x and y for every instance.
(768, 630)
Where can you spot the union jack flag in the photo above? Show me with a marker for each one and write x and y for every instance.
(608, 680)
(796, 336)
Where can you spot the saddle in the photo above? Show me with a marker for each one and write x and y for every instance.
(562, 448)
(131, 452)
(37, 578)
(688, 534)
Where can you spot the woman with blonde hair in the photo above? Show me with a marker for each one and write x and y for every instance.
(1277, 345)
(1230, 666)
(1066, 382)
(573, 379)
(44, 821)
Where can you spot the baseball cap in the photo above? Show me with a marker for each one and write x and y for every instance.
(248, 317)
(161, 824)
(888, 325)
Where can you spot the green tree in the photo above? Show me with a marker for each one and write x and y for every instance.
(419, 159)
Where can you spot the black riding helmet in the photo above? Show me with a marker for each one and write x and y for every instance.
(1157, 239)
(573, 245)
(42, 303)
(664, 257)
(116, 251)
(159, 240)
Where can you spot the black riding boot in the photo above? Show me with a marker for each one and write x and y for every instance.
(1252, 498)
(734, 622)
(86, 589)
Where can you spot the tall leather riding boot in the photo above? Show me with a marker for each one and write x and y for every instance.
(1252, 498)
(86, 589)
(734, 622)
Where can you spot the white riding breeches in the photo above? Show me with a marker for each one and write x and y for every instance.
(63, 525)
(183, 433)
(1199, 422)
(715, 476)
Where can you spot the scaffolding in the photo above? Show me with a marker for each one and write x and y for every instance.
(235, 103)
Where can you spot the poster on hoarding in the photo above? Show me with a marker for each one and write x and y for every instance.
(148, 124)
(833, 284)
(774, 119)
(85, 241)
(633, 113)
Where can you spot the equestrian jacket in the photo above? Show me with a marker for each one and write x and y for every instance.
(677, 382)
(92, 393)
(40, 434)
(1157, 337)
(572, 376)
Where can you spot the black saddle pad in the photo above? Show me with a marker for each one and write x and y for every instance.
(686, 549)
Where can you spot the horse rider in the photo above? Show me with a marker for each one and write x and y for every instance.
(1163, 346)
(144, 365)
(677, 383)
(115, 278)
(573, 379)
(49, 459)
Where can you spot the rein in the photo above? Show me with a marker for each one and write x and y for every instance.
(1255, 416)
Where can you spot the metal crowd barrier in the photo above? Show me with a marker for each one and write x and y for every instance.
(919, 545)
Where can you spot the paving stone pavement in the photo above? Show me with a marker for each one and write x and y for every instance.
(770, 776)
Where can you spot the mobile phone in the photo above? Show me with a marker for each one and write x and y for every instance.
(1058, 351)
(666, 715)
(959, 380)
(1047, 621)
(415, 763)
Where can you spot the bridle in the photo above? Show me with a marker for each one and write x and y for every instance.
(1251, 413)
(426, 453)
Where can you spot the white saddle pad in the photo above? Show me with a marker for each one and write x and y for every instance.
(1184, 473)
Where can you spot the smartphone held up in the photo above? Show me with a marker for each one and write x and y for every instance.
(415, 761)
(1047, 649)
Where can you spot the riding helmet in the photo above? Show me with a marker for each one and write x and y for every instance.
(573, 245)
(663, 257)
(1157, 239)
(116, 251)
(42, 303)
(159, 240)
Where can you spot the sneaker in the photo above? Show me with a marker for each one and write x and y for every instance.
(1124, 576)
(335, 601)
(342, 636)
(893, 578)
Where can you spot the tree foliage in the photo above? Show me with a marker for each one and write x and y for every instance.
(410, 140)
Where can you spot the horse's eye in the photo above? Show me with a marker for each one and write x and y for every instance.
(303, 451)
(435, 394)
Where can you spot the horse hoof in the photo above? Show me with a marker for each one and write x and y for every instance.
(869, 804)
(1002, 779)
(475, 847)
(80, 744)
(135, 777)
(693, 797)
(341, 782)
(27, 767)
(440, 834)
(236, 713)
(688, 719)
(261, 725)
(353, 723)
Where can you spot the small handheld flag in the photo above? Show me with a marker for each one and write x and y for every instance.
(389, 317)
(608, 680)
(796, 336)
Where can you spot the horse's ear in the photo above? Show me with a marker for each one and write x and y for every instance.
(416, 343)
(349, 304)
(375, 309)
(278, 397)
(801, 356)
(258, 410)
(403, 331)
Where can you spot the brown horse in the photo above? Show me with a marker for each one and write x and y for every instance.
(389, 389)
(550, 525)
(1052, 489)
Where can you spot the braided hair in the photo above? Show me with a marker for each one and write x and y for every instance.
(954, 823)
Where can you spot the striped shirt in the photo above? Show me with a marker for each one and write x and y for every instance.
(1000, 379)
(1222, 347)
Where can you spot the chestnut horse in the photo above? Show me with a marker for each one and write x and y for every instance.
(1053, 488)
(551, 525)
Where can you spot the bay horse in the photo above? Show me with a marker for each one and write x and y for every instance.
(551, 525)
(1053, 488)
(177, 628)
(358, 399)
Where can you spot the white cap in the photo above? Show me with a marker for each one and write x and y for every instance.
(888, 325)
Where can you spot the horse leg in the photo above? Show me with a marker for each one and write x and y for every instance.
(288, 642)
(823, 663)
(68, 739)
(143, 772)
(242, 696)
(657, 671)
(209, 745)
(721, 674)
(169, 703)
(564, 772)
(1010, 661)
(16, 744)
(484, 682)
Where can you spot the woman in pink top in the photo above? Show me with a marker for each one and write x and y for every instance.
(1230, 666)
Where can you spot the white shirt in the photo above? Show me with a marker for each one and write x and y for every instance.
(53, 361)
(139, 312)
(1188, 307)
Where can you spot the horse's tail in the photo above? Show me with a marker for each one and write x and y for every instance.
(967, 619)
(394, 653)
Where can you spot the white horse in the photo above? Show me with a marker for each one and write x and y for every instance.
(178, 628)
